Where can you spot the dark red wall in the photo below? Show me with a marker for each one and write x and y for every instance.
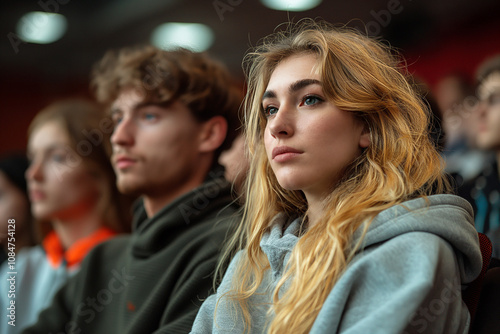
(462, 50)
(24, 92)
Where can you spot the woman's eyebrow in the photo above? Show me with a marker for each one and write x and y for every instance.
(298, 85)
(268, 94)
(294, 87)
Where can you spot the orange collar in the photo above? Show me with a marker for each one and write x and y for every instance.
(75, 254)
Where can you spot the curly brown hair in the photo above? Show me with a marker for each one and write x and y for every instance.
(204, 85)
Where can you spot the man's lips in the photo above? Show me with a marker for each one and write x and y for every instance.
(282, 153)
(123, 161)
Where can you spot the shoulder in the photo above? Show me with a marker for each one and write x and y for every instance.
(438, 218)
(387, 284)
(113, 245)
(413, 260)
(199, 247)
(30, 255)
(213, 230)
(409, 252)
(109, 251)
(28, 259)
(414, 249)
(102, 263)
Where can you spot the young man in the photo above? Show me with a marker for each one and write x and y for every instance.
(484, 191)
(173, 113)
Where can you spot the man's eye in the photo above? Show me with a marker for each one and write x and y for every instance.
(116, 118)
(494, 99)
(150, 117)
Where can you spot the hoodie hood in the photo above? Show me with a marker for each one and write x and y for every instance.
(379, 291)
(447, 216)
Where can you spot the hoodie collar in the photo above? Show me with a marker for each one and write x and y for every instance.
(448, 216)
(202, 203)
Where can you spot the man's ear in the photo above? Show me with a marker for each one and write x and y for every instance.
(212, 134)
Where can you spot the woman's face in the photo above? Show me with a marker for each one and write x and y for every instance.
(59, 184)
(308, 140)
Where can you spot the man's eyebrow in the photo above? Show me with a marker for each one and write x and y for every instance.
(113, 110)
(296, 86)
(116, 109)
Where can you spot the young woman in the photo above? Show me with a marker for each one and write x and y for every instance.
(74, 200)
(347, 227)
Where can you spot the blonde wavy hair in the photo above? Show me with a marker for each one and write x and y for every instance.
(362, 76)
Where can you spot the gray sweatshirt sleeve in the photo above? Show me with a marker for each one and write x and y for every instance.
(204, 322)
(205, 317)
(409, 284)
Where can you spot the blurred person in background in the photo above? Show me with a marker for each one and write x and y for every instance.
(173, 112)
(484, 190)
(74, 200)
(450, 92)
(455, 98)
(236, 165)
(14, 204)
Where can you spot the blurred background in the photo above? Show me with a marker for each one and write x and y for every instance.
(48, 46)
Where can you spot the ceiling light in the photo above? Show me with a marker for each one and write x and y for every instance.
(291, 5)
(41, 27)
(194, 36)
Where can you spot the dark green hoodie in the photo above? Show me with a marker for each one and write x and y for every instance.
(152, 281)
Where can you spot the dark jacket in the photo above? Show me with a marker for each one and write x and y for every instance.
(483, 192)
(152, 281)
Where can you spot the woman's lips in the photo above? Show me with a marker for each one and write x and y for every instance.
(285, 153)
(37, 195)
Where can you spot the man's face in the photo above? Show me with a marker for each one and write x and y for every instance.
(155, 148)
(488, 134)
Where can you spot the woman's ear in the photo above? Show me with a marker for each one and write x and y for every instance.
(212, 134)
(364, 140)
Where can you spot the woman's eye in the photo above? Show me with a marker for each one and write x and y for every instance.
(270, 111)
(311, 100)
(58, 157)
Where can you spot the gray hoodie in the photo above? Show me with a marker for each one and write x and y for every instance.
(406, 278)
